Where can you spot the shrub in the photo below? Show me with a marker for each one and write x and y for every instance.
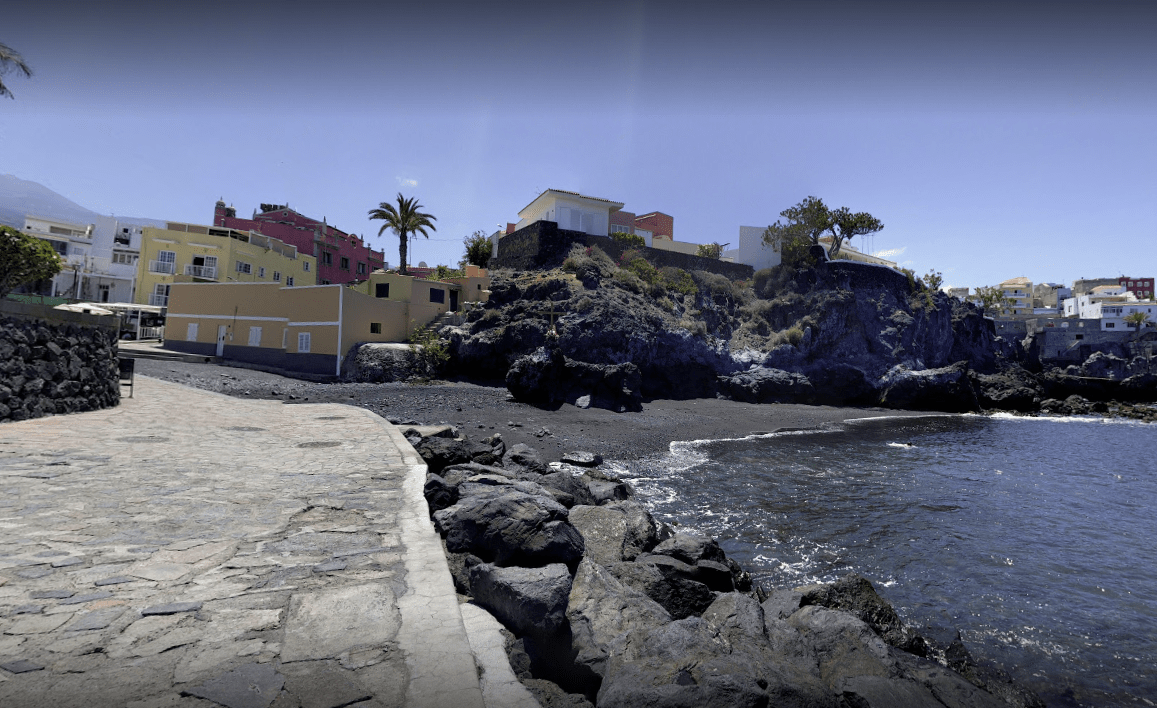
(430, 351)
(679, 280)
(588, 262)
(641, 267)
(629, 240)
(628, 281)
(583, 304)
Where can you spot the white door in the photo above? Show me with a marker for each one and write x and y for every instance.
(221, 331)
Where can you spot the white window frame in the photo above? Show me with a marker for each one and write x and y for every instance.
(277, 276)
(303, 342)
(305, 266)
(289, 281)
(243, 267)
(260, 271)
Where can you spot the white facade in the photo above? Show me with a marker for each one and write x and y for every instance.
(752, 250)
(571, 211)
(99, 260)
(1110, 305)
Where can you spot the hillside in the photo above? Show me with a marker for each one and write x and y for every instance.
(20, 197)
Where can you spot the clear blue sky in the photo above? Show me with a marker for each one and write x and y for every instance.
(992, 139)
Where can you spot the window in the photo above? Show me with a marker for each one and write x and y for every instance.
(326, 258)
(1110, 325)
(303, 342)
(361, 268)
(166, 263)
(375, 328)
(254, 336)
(276, 276)
(382, 290)
(437, 295)
(243, 267)
(345, 263)
(125, 258)
(289, 281)
(191, 332)
(305, 266)
(261, 271)
(160, 295)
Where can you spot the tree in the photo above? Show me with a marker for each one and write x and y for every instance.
(404, 219)
(24, 259)
(934, 280)
(992, 297)
(709, 250)
(1137, 319)
(10, 60)
(811, 219)
(478, 249)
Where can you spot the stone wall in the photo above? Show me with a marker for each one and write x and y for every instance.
(55, 362)
(543, 245)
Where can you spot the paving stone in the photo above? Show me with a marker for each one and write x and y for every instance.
(38, 624)
(329, 566)
(171, 608)
(21, 666)
(97, 619)
(66, 562)
(39, 571)
(326, 623)
(161, 571)
(250, 686)
(115, 580)
(177, 638)
(208, 657)
(27, 610)
(320, 685)
(87, 597)
(50, 594)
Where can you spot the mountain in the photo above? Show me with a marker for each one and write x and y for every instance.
(20, 197)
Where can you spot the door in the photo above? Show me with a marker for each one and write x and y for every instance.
(221, 332)
(453, 301)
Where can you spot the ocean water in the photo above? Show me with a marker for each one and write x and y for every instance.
(1035, 537)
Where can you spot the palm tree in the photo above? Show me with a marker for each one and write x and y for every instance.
(404, 219)
(10, 60)
(1137, 319)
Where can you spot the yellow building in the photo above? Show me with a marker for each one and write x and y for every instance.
(447, 295)
(188, 253)
(1018, 291)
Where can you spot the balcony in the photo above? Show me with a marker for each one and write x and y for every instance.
(159, 300)
(202, 272)
(163, 267)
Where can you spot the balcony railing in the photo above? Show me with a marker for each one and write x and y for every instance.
(159, 300)
(206, 272)
(162, 267)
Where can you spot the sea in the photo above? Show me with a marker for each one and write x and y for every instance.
(1034, 537)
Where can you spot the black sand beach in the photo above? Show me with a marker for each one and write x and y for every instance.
(480, 411)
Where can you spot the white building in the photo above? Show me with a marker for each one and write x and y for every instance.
(99, 260)
(570, 210)
(1110, 304)
(752, 250)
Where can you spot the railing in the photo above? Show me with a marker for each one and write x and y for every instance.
(207, 272)
(162, 267)
(152, 332)
(159, 300)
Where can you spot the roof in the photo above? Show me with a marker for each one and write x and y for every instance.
(614, 205)
(1021, 281)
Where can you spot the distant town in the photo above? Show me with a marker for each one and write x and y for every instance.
(255, 286)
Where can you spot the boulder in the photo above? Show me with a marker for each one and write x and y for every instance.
(946, 389)
(764, 385)
(547, 377)
(572, 485)
(460, 565)
(855, 594)
(716, 576)
(680, 596)
(440, 453)
(782, 603)
(459, 473)
(691, 548)
(522, 459)
(527, 600)
(844, 645)
(438, 493)
(492, 484)
(582, 459)
(600, 609)
(615, 532)
(510, 528)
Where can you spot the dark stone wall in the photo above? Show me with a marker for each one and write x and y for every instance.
(54, 364)
(853, 275)
(543, 245)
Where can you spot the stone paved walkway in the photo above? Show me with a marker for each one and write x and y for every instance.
(190, 549)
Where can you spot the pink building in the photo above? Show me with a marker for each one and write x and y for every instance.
(1141, 287)
(341, 257)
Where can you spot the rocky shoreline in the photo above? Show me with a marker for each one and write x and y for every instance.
(600, 598)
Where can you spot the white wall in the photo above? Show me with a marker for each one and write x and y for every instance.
(572, 214)
(752, 250)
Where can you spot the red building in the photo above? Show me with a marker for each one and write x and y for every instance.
(656, 223)
(341, 257)
(1141, 287)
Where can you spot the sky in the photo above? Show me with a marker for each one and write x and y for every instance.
(994, 140)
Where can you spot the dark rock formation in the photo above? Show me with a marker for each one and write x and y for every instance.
(527, 600)
(547, 378)
(615, 532)
(854, 593)
(680, 596)
(440, 453)
(761, 385)
(512, 528)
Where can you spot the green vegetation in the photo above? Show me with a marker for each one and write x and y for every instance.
(430, 352)
(1137, 319)
(709, 250)
(478, 249)
(403, 220)
(11, 61)
(629, 240)
(444, 272)
(992, 298)
(24, 259)
(810, 220)
(934, 280)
